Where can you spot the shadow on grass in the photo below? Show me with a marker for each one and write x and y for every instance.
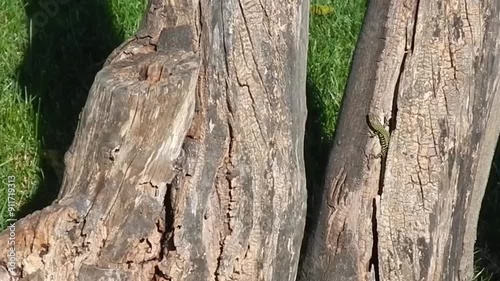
(487, 254)
(317, 148)
(316, 153)
(70, 40)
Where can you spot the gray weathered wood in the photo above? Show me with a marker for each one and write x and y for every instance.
(432, 68)
(187, 163)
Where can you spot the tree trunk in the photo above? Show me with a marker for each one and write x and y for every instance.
(432, 68)
(187, 163)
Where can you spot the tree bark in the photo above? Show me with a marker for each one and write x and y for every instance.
(187, 163)
(432, 68)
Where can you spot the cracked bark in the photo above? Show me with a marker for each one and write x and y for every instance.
(432, 67)
(187, 162)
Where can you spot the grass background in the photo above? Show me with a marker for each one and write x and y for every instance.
(50, 55)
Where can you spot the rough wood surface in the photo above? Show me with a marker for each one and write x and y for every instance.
(187, 163)
(431, 67)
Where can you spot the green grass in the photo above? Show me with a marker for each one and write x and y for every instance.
(18, 116)
(126, 15)
(332, 39)
(47, 71)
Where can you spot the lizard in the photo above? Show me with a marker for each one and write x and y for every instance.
(382, 134)
(384, 137)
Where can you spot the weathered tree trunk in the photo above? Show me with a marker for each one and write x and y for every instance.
(432, 67)
(187, 163)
